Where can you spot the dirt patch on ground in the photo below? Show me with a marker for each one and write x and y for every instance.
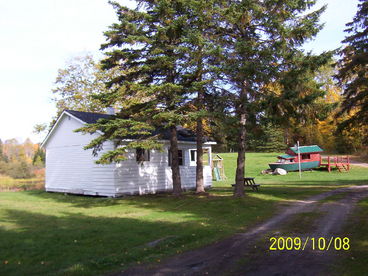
(359, 164)
(248, 253)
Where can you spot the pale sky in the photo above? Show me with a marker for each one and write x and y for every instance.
(38, 37)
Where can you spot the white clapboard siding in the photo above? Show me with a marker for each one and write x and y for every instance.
(207, 176)
(141, 177)
(70, 168)
(155, 175)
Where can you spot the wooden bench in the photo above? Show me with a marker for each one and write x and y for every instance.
(249, 182)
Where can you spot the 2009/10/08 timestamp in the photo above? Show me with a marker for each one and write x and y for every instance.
(314, 243)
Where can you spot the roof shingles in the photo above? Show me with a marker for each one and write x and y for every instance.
(88, 117)
(184, 134)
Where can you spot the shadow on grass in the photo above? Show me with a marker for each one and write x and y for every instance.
(84, 242)
(83, 245)
(222, 190)
(80, 201)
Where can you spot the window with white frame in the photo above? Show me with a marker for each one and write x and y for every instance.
(193, 157)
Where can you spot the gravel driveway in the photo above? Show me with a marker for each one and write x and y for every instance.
(248, 253)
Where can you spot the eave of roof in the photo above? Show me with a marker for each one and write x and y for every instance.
(68, 113)
(184, 135)
(88, 117)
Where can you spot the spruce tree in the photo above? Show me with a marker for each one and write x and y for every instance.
(260, 39)
(353, 69)
(147, 46)
(272, 139)
(200, 74)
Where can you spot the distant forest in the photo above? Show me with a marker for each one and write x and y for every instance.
(21, 160)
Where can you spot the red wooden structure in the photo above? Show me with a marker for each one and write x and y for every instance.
(306, 155)
(340, 162)
(310, 157)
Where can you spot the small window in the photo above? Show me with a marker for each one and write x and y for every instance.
(193, 155)
(142, 155)
(180, 155)
(305, 156)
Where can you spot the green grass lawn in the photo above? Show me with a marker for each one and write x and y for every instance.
(55, 234)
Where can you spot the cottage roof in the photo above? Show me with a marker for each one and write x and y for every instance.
(307, 149)
(88, 117)
(184, 134)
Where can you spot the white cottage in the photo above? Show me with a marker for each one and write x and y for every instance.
(71, 169)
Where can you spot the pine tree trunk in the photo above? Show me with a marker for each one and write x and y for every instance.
(199, 169)
(286, 136)
(240, 163)
(199, 130)
(175, 161)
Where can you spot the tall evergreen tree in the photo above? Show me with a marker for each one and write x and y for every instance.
(260, 40)
(200, 75)
(272, 139)
(353, 69)
(147, 46)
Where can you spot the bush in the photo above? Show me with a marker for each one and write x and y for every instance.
(39, 173)
(19, 170)
(3, 167)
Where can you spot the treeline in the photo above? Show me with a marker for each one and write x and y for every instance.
(21, 160)
(325, 131)
(274, 138)
(323, 123)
